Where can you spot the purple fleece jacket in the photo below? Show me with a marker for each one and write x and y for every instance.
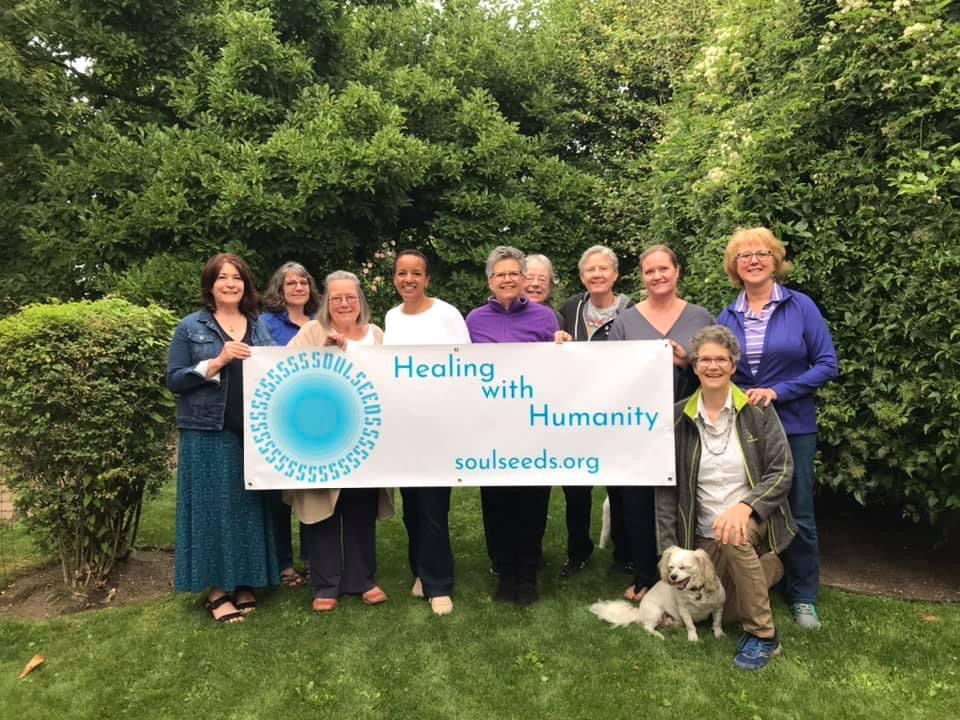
(798, 357)
(525, 321)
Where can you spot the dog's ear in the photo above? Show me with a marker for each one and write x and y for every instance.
(707, 571)
(663, 565)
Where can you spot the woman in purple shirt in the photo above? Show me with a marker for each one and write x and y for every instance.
(787, 354)
(514, 518)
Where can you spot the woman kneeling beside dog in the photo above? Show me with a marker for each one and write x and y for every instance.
(733, 476)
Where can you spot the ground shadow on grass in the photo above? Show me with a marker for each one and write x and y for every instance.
(864, 550)
(875, 551)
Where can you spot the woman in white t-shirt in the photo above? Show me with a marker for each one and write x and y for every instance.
(424, 320)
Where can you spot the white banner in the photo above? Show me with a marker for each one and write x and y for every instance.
(497, 414)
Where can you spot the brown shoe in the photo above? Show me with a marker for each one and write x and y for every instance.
(321, 605)
(374, 596)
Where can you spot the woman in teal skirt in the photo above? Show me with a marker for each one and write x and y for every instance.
(225, 540)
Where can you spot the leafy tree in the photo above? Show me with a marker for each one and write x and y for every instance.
(296, 130)
(837, 126)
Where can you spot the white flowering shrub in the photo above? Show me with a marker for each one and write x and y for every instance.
(838, 127)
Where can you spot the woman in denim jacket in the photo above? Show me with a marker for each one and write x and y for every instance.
(225, 541)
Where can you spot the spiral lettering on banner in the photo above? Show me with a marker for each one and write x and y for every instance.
(315, 417)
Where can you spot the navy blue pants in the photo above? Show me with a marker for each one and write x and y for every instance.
(281, 527)
(801, 559)
(426, 513)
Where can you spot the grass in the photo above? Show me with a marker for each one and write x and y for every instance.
(17, 551)
(875, 658)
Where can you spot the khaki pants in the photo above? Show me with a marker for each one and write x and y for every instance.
(747, 579)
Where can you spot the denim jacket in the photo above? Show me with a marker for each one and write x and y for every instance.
(201, 402)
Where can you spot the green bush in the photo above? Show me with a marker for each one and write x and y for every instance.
(85, 425)
(164, 279)
(838, 126)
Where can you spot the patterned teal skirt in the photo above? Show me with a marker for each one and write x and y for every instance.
(224, 532)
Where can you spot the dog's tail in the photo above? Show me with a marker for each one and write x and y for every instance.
(616, 612)
(605, 523)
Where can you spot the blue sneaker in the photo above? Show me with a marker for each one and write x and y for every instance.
(754, 653)
(805, 615)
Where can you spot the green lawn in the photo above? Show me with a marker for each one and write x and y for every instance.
(874, 659)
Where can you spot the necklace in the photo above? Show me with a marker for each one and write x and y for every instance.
(233, 327)
(724, 434)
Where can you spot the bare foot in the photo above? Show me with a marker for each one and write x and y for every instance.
(417, 589)
(442, 605)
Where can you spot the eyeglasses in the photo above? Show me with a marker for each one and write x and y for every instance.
(343, 299)
(542, 279)
(513, 275)
(759, 255)
(704, 362)
(296, 283)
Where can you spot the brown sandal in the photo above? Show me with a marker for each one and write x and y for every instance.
(374, 596)
(291, 578)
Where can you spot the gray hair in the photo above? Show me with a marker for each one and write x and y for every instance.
(718, 335)
(273, 297)
(505, 252)
(544, 260)
(323, 315)
(603, 250)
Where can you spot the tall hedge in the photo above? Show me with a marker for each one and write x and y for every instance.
(85, 425)
(837, 124)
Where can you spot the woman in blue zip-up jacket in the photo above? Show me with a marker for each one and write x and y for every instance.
(787, 354)
(224, 540)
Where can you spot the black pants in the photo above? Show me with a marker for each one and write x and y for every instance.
(426, 516)
(342, 550)
(514, 521)
(281, 529)
(641, 524)
(579, 507)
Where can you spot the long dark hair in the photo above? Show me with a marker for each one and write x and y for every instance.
(248, 303)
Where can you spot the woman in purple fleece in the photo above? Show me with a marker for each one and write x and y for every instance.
(514, 518)
(787, 354)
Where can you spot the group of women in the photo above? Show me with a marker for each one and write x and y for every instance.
(748, 377)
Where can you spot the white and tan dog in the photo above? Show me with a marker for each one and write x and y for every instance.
(689, 589)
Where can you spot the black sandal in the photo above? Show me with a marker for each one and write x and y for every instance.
(246, 606)
(227, 618)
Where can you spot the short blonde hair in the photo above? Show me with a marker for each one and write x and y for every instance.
(747, 236)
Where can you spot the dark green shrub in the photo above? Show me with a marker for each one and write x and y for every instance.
(838, 126)
(85, 425)
(164, 279)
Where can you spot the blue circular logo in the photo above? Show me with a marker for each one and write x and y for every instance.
(315, 416)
